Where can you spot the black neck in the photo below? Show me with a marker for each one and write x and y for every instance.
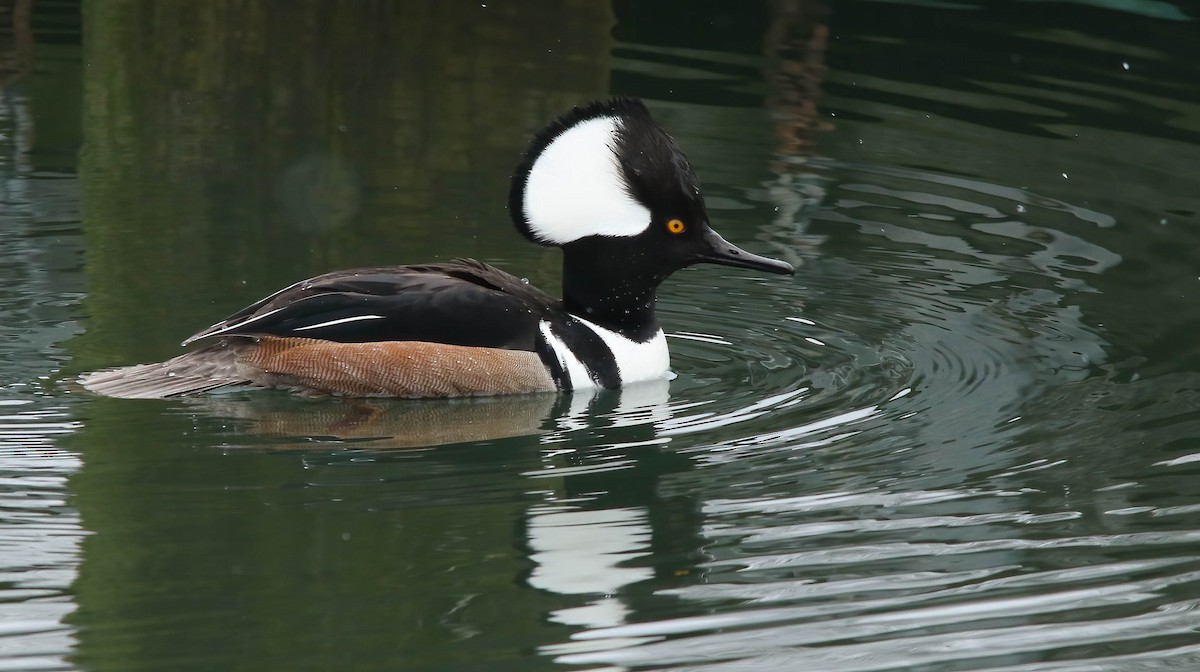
(611, 291)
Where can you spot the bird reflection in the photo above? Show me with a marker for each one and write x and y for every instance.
(286, 422)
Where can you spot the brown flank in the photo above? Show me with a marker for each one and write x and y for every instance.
(398, 368)
(382, 369)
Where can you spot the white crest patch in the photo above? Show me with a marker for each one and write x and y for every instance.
(575, 188)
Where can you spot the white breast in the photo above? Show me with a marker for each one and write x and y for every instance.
(635, 361)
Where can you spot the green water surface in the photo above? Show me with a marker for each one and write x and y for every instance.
(965, 436)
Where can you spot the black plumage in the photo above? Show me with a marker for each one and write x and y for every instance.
(464, 302)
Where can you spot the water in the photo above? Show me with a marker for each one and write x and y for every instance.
(964, 437)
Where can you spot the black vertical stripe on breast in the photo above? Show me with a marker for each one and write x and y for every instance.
(591, 350)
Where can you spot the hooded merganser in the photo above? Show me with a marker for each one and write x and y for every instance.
(604, 183)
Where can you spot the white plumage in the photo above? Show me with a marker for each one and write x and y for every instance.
(576, 188)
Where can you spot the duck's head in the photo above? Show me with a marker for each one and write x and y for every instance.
(608, 185)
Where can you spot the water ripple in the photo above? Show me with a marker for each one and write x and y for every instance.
(40, 535)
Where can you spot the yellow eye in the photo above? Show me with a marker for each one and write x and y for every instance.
(675, 226)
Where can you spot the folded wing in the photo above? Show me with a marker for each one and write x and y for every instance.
(459, 303)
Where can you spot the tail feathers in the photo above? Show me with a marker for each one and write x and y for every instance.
(200, 371)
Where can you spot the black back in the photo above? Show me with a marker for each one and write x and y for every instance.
(464, 302)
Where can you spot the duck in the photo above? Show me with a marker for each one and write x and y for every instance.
(603, 183)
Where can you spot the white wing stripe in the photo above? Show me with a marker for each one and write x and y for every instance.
(343, 320)
(211, 331)
(249, 320)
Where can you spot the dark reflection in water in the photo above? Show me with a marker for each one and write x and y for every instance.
(381, 424)
(330, 134)
(965, 436)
